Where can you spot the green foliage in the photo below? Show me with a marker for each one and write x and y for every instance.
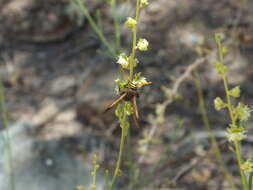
(97, 28)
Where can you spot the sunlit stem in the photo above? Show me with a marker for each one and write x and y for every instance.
(116, 25)
(7, 136)
(95, 27)
(135, 30)
(233, 119)
(120, 156)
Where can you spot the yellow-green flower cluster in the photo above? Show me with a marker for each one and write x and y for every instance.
(140, 81)
(79, 187)
(124, 61)
(123, 111)
(242, 112)
(219, 104)
(235, 92)
(220, 68)
(131, 23)
(144, 3)
(236, 134)
(142, 44)
(247, 166)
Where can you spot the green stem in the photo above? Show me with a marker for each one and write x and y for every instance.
(135, 30)
(116, 25)
(212, 138)
(233, 118)
(95, 27)
(230, 107)
(237, 144)
(239, 161)
(7, 136)
(225, 82)
(118, 165)
(250, 180)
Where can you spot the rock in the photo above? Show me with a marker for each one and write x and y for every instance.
(40, 164)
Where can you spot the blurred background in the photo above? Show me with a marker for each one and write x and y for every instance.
(58, 79)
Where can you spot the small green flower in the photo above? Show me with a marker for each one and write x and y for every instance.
(97, 166)
(247, 166)
(236, 134)
(79, 187)
(218, 37)
(93, 186)
(224, 50)
(123, 111)
(221, 68)
(131, 23)
(94, 158)
(219, 104)
(242, 112)
(123, 60)
(144, 3)
(142, 44)
(140, 81)
(121, 85)
(235, 92)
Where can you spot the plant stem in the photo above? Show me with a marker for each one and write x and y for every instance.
(225, 83)
(237, 144)
(135, 30)
(116, 25)
(212, 138)
(118, 165)
(239, 161)
(233, 119)
(95, 27)
(7, 136)
(250, 180)
(230, 107)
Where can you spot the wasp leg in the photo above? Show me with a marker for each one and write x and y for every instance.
(136, 109)
(136, 115)
(116, 102)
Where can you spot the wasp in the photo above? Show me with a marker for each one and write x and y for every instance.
(131, 94)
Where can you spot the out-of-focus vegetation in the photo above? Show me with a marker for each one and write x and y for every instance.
(61, 61)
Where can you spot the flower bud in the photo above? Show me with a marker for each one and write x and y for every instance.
(221, 68)
(247, 166)
(144, 3)
(235, 92)
(131, 23)
(236, 134)
(123, 60)
(219, 104)
(218, 37)
(224, 50)
(142, 44)
(242, 112)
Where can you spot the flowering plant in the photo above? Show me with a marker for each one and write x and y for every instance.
(239, 114)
